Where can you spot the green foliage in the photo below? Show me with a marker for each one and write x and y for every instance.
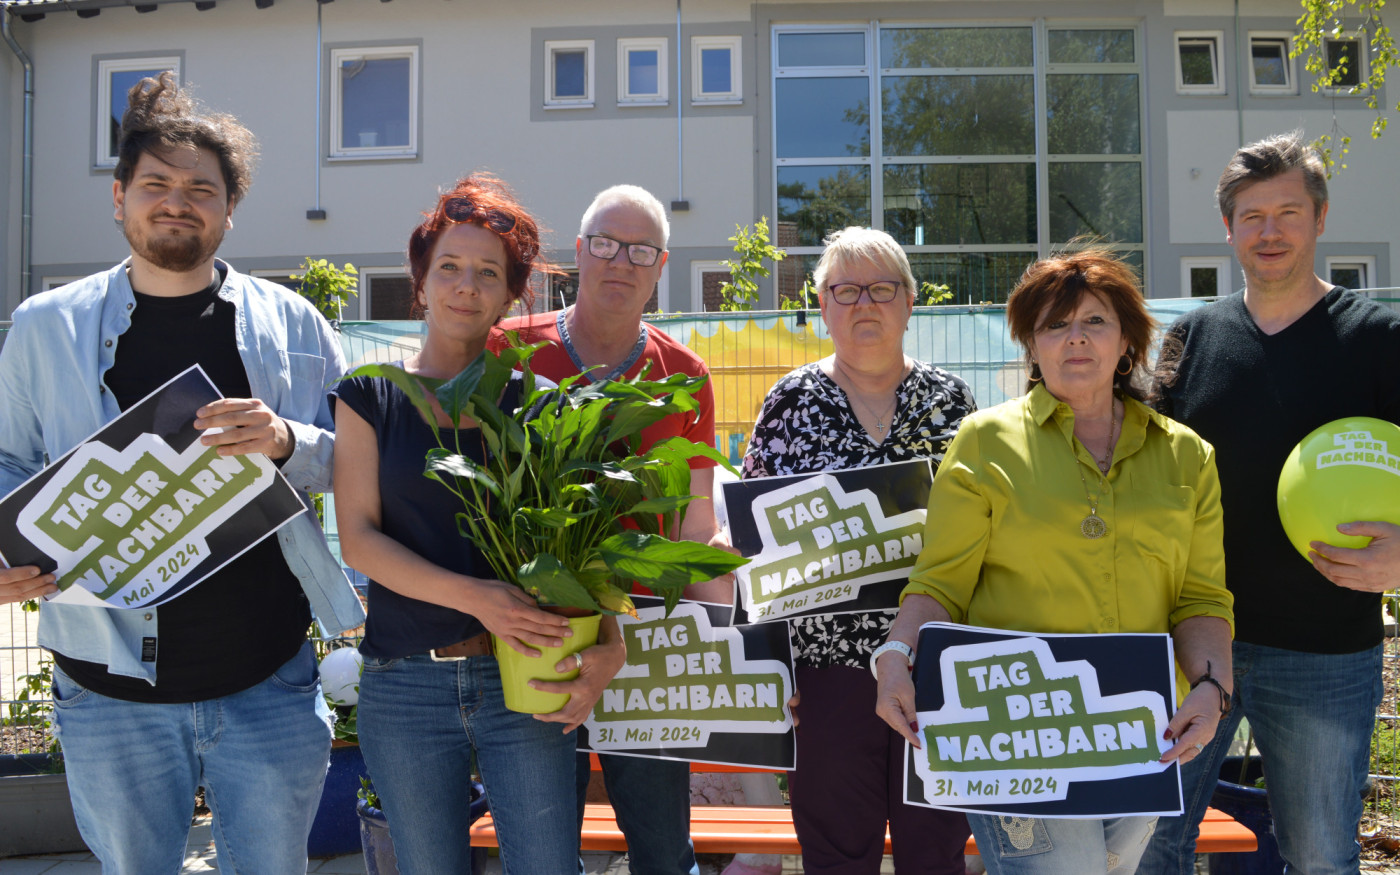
(751, 249)
(328, 287)
(1361, 20)
(933, 293)
(806, 298)
(561, 473)
(33, 708)
(366, 792)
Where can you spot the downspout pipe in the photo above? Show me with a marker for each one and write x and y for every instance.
(26, 221)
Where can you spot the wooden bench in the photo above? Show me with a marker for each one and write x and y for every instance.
(768, 829)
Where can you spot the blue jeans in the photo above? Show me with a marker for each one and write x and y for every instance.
(1313, 715)
(651, 798)
(1060, 846)
(260, 754)
(421, 723)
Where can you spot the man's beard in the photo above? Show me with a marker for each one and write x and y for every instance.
(176, 254)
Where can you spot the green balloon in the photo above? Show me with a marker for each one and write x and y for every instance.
(1347, 471)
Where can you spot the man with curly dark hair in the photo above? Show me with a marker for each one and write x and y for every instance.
(218, 687)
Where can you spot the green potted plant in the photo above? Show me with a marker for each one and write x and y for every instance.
(564, 506)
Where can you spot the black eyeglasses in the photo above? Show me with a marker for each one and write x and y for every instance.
(880, 293)
(640, 254)
(460, 209)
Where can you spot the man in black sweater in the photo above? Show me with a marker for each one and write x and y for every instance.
(1253, 374)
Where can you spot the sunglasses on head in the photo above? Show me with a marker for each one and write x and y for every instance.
(460, 209)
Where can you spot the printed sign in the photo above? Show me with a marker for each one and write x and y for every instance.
(834, 542)
(142, 511)
(693, 689)
(1042, 726)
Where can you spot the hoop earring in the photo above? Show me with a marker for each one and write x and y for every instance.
(1122, 370)
(1035, 376)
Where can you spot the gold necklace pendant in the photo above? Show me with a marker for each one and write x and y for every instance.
(1093, 527)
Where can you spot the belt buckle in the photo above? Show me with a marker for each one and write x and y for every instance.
(432, 654)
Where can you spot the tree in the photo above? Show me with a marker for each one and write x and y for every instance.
(751, 249)
(1359, 20)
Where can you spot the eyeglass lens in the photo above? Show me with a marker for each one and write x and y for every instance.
(460, 209)
(640, 254)
(849, 293)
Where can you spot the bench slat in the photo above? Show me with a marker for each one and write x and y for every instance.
(767, 829)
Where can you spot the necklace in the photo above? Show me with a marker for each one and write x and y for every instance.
(1092, 526)
(1106, 460)
(879, 420)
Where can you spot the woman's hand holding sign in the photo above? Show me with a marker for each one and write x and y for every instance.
(249, 426)
(894, 701)
(24, 583)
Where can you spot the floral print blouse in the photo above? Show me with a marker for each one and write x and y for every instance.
(806, 425)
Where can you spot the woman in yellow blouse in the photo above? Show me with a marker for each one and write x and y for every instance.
(1075, 509)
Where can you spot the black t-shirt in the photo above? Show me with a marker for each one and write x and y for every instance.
(1255, 396)
(417, 512)
(239, 625)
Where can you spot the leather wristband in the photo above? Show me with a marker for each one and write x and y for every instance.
(1208, 679)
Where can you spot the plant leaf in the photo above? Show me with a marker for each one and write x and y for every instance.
(660, 564)
(418, 389)
(440, 462)
(552, 583)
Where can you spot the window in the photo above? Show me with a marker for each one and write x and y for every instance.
(1198, 68)
(1352, 271)
(706, 278)
(1345, 56)
(641, 72)
(1205, 276)
(1270, 67)
(374, 102)
(715, 70)
(978, 148)
(115, 76)
(50, 283)
(568, 73)
(385, 293)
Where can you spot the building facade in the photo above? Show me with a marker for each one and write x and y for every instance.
(980, 135)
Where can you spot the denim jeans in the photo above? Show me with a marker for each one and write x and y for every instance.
(260, 754)
(1313, 715)
(421, 723)
(1060, 846)
(651, 798)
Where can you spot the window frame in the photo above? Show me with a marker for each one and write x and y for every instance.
(337, 149)
(698, 94)
(1291, 87)
(1216, 38)
(625, 95)
(553, 100)
(102, 146)
(1221, 264)
(1367, 263)
(365, 294)
(1362, 63)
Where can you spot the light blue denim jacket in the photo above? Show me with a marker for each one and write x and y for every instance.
(52, 398)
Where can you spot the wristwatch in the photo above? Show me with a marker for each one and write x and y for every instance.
(899, 646)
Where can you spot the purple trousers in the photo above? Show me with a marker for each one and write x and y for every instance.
(850, 782)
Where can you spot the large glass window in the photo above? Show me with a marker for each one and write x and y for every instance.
(374, 102)
(115, 77)
(978, 148)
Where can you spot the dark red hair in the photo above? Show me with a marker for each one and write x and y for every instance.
(522, 243)
(1054, 287)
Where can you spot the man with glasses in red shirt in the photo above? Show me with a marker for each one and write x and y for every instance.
(621, 249)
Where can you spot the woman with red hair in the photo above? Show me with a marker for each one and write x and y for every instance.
(430, 695)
